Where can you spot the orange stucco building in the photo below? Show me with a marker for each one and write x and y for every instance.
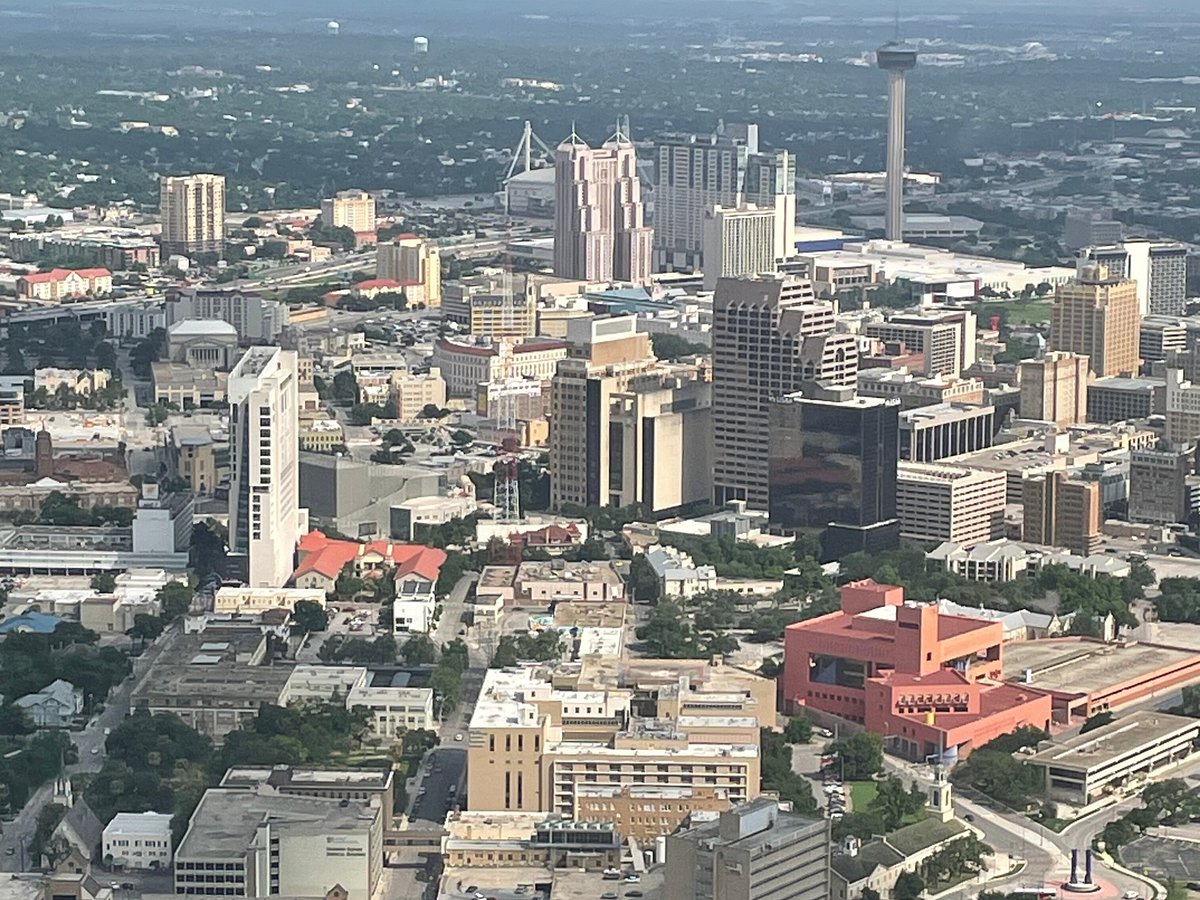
(929, 683)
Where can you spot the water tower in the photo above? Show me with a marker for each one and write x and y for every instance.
(420, 45)
(332, 29)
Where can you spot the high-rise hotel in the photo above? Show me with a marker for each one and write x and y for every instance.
(192, 208)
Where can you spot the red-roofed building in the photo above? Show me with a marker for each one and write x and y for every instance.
(59, 284)
(552, 537)
(322, 559)
(413, 291)
(928, 682)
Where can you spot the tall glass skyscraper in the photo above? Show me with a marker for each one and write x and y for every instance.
(832, 466)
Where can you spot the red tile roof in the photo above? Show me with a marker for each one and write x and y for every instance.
(62, 275)
(372, 283)
(329, 557)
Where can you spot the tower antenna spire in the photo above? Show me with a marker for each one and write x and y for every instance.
(896, 31)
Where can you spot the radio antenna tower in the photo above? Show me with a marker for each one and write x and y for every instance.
(506, 469)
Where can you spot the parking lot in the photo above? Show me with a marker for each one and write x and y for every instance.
(1164, 858)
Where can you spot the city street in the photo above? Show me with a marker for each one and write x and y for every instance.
(1047, 854)
(90, 744)
(445, 766)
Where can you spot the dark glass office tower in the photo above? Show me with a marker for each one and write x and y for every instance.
(832, 466)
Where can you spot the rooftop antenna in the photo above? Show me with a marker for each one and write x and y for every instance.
(896, 32)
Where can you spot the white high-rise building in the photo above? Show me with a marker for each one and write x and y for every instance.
(600, 232)
(265, 520)
(697, 172)
(192, 208)
(1158, 268)
(741, 241)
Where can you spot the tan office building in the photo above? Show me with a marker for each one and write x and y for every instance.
(412, 393)
(946, 503)
(349, 209)
(1096, 316)
(625, 428)
(409, 259)
(1055, 388)
(770, 334)
(545, 740)
(192, 208)
(1062, 512)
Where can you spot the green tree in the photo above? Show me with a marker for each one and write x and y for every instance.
(1098, 720)
(777, 773)
(894, 803)
(418, 650)
(799, 730)
(48, 818)
(1000, 776)
(861, 755)
(668, 635)
(345, 388)
(308, 617)
(14, 721)
(146, 627)
(175, 599)
(669, 346)
(104, 582)
(909, 886)
(446, 682)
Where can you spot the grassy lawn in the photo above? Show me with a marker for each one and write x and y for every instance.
(1018, 312)
(861, 794)
(1056, 825)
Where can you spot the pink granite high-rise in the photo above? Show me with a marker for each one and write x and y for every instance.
(600, 232)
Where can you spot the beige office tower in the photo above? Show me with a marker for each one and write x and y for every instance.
(600, 233)
(192, 208)
(770, 334)
(265, 520)
(947, 503)
(1096, 315)
(349, 209)
(1060, 511)
(740, 241)
(1055, 388)
(624, 427)
(408, 259)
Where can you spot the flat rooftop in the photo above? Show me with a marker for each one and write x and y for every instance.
(224, 824)
(1111, 742)
(561, 570)
(1081, 667)
(284, 776)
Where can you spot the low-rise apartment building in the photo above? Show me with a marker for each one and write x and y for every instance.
(394, 710)
(549, 581)
(64, 284)
(138, 841)
(232, 600)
